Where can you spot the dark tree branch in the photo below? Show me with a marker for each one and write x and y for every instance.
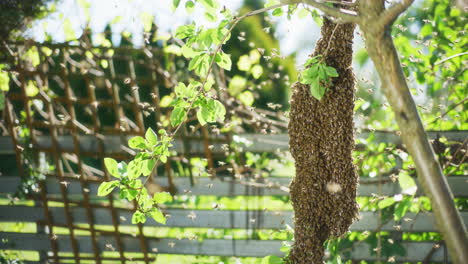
(391, 14)
(342, 15)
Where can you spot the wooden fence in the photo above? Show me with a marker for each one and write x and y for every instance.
(104, 216)
(82, 110)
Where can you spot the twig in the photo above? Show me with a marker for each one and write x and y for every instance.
(391, 14)
(345, 15)
(210, 68)
(451, 57)
(449, 110)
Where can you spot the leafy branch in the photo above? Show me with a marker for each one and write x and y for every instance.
(198, 48)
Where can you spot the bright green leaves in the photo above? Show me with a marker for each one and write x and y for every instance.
(177, 116)
(272, 260)
(4, 86)
(158, 216)
(386, 202)
(147, 166)
(256, 71)
(407, 183)
(134, 169)
(186, 31)
(187, 92)
(189, 6)
(210, 110)
(277, 11)
(151, 138)
(318, 75)
(248, 63)
(175, 4)
(112, 167)
(147, 20)
(162, 197)
(138, 217)
(244, 63)
(149, 207)
(107, 187)
(31, 89)
(223, 60)
(4, 81)
(137, 143)
(200, 64)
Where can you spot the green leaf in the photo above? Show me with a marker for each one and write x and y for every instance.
(137, 143)
(189, 7)
(31, 89)
(200, 117)
(33, 56)
(278, 12)
(162, 197)
(407, 183)
(211, 16)
(208, 84)
(147, 20)
(244, 63)
(210, 111)
(361, 57)
(107, 187)
(112, 167)
(148, 166)
(210, 4)
(256, 71)
(134, 169)
(175, 4)
(188, 52)
(151, 137)
(402, 207)
(246, 98)
(158, 216)
(185, 31)
(173, 49)
(138, 217)
(177, 116)
(386, 202)
(272, 260)
(316, 90)
(4, 81)
(331, 72)
(2, 101)
(302, 13)
(271, 3)
(128, 194)
(68, 29)
(237, 85)
(224, 60)
(220, 110)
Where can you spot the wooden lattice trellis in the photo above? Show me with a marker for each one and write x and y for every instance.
(71, 106)
(82, 91)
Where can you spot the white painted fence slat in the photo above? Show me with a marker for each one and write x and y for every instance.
(224, 186)
(415, 251)
(226, 219)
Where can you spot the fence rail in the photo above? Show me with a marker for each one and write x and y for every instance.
(259, 143)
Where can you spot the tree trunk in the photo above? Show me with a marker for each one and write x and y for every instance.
(323, 192)
(382, 51)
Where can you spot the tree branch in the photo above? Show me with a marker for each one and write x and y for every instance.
(391, 14)
(344, 15)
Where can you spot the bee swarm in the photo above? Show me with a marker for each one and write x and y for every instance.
(321, 141)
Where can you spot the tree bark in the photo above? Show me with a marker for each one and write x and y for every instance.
(323, 191)
(383, 53)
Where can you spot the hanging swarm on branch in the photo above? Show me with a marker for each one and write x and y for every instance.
(323, 192)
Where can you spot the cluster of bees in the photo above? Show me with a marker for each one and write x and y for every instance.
(321, 140)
